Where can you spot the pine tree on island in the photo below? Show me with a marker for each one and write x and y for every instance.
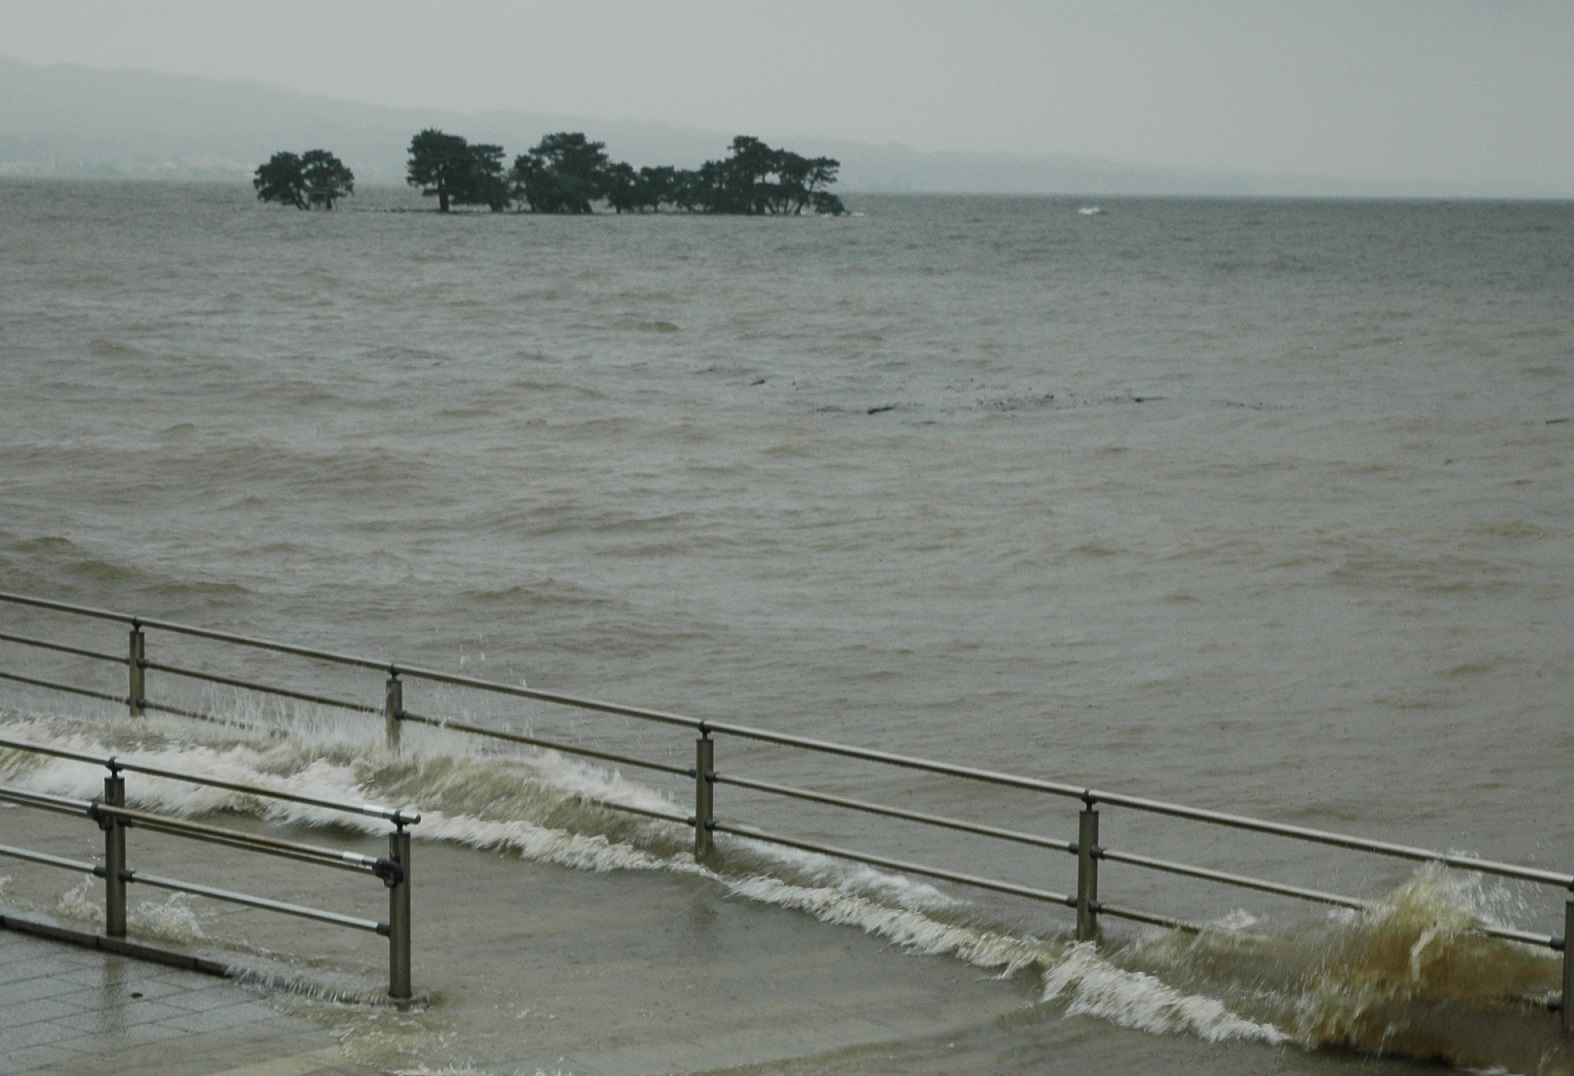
(315, 178)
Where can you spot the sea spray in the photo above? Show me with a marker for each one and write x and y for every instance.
(171, 919)
(78, 903)
(1414, 974)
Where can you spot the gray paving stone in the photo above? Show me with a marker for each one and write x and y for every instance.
(148, 989)
(39, 987)
(141, 1034)
(18, 1013)
(217, 1019)
(19, 1037)
(33, 967)
(204, 1000)
(34, 1058)
(68, 1010)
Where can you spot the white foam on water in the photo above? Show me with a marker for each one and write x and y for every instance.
(78, 903)
(1090, 985)
(172, 919)
(911, 929)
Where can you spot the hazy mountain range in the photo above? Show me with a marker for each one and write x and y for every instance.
(74, 121)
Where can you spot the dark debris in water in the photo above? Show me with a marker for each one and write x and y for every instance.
(1258, 406)
(1032, 401)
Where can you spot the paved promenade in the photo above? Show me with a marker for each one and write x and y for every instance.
(70, 1010)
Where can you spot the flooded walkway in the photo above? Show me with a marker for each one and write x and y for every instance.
(616, 973)
(69, 1009)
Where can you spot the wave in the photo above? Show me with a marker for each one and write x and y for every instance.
(1413, 975)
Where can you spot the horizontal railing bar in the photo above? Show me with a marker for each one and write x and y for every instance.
(244, 846)
(44, 800)
(299, 910)
(538, 695)
(1339, 840)
(896, 864)
(195, 715)
(1239, 881)
(118, 659)
(62, 687)
(1121, 912)
(1545, 941)
(55, 752)
(46, 859)
(262, 644)
(648, 812)
(64, 607)
(1542, 940)
(328, 857)
(888, 758)
(230, 681)
(537, 741)
(114, 762)
(940, 821)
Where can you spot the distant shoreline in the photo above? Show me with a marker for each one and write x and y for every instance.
(243, 182)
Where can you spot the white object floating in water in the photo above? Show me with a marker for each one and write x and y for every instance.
(1092, 211)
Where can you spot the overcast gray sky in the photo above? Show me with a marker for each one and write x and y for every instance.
(1453, 91)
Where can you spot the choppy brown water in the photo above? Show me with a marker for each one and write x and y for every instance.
(1257, 506)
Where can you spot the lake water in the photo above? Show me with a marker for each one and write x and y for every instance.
(1258, 506)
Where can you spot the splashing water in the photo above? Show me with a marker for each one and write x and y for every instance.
(1412, 975)
(1092, 986)
(1415, 975)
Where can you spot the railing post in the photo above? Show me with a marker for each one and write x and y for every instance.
(1568, 966)
(399, 916)
(1088, 871)
(393, 709)
(704, 795)
(114, 857)
(138, 673)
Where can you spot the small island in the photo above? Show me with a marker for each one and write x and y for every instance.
(569, 174)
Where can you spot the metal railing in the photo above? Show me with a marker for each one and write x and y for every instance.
(1086, 849)
(115, 818)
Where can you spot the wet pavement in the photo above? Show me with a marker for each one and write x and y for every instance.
(69, 1009)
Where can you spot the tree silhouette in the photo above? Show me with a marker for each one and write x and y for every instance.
(325, 178)
(564, 173)
(279, 180)
(568, 173)
(439, 164)
(623, 188)
(759, 179)
(484, 182)
(314, 178)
